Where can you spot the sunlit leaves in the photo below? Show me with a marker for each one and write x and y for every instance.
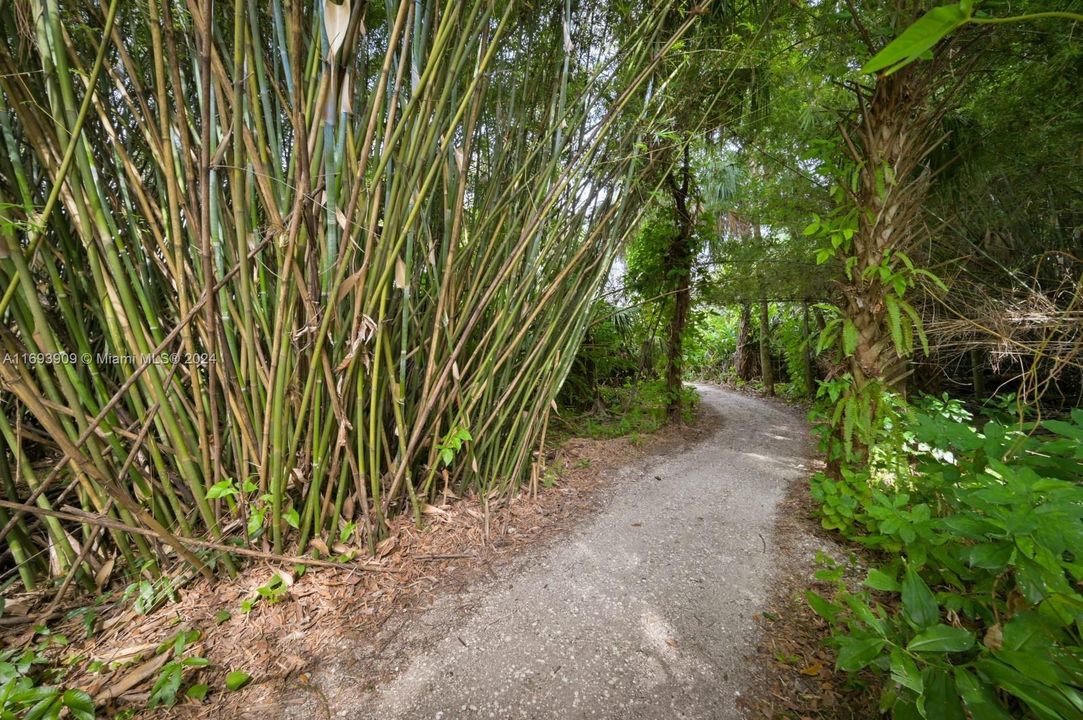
(237, 679)
(917, 39)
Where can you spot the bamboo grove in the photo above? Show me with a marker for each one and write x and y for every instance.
(274, 272)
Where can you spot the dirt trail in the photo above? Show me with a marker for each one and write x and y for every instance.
(644, 611)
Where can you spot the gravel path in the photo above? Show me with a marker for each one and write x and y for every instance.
(644, 611)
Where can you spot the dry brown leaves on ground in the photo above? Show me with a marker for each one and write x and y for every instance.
(794, 675)
(279, 643)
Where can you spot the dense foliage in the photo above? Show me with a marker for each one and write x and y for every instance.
(974, 603)
(265, 265)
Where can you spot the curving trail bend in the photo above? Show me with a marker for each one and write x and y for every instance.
(644, 611)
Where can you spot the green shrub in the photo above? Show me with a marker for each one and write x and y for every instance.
(634, 409)
(978, 611)
(610, 355)
(795, 349)
(710, 343)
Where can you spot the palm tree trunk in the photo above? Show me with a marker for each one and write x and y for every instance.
(895, 134)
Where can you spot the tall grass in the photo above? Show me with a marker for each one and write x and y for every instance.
(276, 271)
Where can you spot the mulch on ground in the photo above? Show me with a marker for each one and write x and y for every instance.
(280, 644)
(793, 673)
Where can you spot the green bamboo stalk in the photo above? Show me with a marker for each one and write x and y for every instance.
(367, 278)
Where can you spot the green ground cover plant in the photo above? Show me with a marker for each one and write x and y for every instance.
(973, 607)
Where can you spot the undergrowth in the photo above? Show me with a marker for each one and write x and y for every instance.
(628, 410)
(973, 608)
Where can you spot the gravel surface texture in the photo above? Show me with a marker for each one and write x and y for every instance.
(644, 611)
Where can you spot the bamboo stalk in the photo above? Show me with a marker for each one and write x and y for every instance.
(344, 257)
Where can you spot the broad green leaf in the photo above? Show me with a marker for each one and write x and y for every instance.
(905, 709)
(1066, 429)
(165, 689)
(942, 638)
(237, 680)
(822, 607)
(255, 522)
(855, 653)
(1034, 663)
(905, 671)
(990, 556)
(79, 704)
(33, 695)
(1065, 609)
(1044, 703)
(919, 604)
(930, 28)
(862, 612)
(198, 691)
(978, 697)
(222, 489)
(880, 580)
(940, 700)
(47, 709)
